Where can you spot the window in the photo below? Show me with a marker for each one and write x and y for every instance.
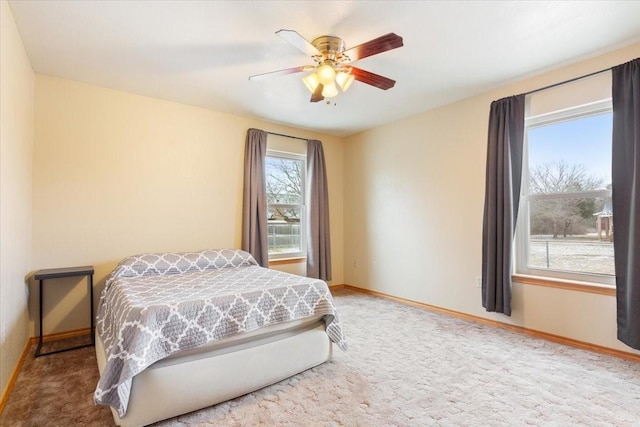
(565, 225)
(285, 177)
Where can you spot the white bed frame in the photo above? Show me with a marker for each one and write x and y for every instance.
(224, 370)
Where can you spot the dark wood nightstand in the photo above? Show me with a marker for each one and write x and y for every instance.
(59, 273)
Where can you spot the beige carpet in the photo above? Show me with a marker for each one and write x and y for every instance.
(405, 367)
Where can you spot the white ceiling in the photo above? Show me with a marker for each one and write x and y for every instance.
(202, 52)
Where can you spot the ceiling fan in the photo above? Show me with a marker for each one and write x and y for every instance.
(332, 63)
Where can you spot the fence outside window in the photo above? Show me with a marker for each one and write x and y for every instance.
(284, 237)
(585, 256)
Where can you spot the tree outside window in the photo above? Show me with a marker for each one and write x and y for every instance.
(285, 182)
(565, 228)
(563, 216)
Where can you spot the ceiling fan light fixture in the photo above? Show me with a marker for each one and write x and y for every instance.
(331, 61)
(326, 73)
(311, 82)
(330, 90)
(344, 80)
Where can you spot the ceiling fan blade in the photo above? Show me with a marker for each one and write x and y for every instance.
(282, 72)
(372, 79)
(298, 41)
(374, 47)
(317, 95)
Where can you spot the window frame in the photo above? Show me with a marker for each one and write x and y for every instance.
(278, 154)
(522, 235)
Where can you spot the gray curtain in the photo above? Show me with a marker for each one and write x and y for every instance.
(317, 203)
(626, 198)
(254, 209)
(502, 195)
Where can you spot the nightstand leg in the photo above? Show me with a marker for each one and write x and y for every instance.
(40, 318)
(93, 335)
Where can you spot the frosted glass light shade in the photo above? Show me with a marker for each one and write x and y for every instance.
(311, 82)
(344, 80)
(330, 90)
(326, 74)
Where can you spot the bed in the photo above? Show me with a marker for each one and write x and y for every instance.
(177, 332)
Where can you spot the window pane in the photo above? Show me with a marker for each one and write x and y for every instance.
(285, 180)
(569, 229)
(284, 230)
(570, 156)
(571, 234)
(285, 198)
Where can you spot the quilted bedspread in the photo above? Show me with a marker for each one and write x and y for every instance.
(155, 305)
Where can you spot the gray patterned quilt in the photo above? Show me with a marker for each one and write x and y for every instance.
(155, 305)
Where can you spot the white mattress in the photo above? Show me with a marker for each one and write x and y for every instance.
(223, 370)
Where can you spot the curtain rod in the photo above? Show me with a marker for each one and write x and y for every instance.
(568, 81)
(287, 136)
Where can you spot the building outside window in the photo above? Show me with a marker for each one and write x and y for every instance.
(285, 178)
(565, 228)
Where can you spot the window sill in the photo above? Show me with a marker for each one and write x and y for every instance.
(282, 261)
(570, 285)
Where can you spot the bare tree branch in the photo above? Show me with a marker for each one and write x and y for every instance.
(285, 182)
(560, 215)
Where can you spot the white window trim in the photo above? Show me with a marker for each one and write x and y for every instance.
(521, 254)
(578, 112)
(302, 205)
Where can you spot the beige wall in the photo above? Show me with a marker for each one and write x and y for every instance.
(414, 193)
(16, 142)
(117, 174)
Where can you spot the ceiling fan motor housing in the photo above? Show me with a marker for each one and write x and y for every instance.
(330, 46)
